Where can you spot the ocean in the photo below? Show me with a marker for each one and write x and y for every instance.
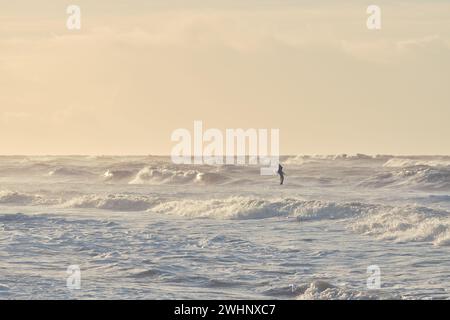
(140, 227)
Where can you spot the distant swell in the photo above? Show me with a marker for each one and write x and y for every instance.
(433, 178)
(407, 162)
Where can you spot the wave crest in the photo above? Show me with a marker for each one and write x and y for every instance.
(322, 290)
(19, 198)
(404, 224)
(241, 208)
(437, 178)
(406, 162)
(112, 202)
(150, 175)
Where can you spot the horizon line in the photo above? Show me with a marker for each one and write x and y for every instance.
(168, 155)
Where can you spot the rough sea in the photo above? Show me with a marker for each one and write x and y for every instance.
(144, 228)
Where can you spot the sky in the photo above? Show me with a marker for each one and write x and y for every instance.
(138, 70)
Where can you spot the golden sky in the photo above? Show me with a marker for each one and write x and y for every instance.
(137, 70)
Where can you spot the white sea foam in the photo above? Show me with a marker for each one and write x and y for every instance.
(322, 290)
(117, 175)
(405, 224)
(416, 176)
(230, 208)
(15, 197)
(67, 171)
(141, 215)
(19, 198)
(113, 202)
(259, 208)
(155, 175)
(305, 159)
(406, 162)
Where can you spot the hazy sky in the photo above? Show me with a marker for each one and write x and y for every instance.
(137, 70)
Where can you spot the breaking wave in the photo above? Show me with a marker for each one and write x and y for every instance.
(406, 162)
(418, 176)
(304, 159)
(67, 171)
(117, 175)
(18, 198)
(406, 224)
(319, 290)
(153, 175)
(112, 202)
(322, 290)
(257, 208)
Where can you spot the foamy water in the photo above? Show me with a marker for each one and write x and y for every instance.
(141, 227)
